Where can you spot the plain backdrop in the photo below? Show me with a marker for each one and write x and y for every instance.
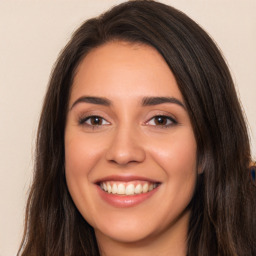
(31, 35)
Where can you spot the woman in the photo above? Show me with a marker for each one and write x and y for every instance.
(142, 146)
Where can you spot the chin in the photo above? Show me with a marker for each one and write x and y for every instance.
(125, 234)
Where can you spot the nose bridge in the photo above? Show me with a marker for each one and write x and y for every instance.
(125, 145)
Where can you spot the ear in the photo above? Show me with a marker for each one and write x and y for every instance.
(253, 172)
(201, 164)
(199, 170)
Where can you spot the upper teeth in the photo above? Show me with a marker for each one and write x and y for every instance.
(122, 188)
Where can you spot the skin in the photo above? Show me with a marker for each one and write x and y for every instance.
(129, 141)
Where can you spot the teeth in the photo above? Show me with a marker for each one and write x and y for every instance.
(114, 189)
(109, 188)
(121, 189)
(138, 189)
(145, 188)
(127, 188)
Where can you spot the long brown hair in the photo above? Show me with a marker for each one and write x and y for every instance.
(223, 207)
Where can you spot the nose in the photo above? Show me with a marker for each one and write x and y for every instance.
(125, 147)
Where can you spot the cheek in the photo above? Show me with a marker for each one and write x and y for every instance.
(80, 158)
(81, 153)
(75, 164)
(176, 155)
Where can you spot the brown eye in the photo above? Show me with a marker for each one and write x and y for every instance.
(93, 121)
(160, 120)
(164, 121)
(96, 120)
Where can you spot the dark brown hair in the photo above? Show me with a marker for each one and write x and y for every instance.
(223, 207)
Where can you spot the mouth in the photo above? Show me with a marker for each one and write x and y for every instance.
(126, 191)
(129, 188)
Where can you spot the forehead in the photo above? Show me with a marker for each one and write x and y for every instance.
(124, 69)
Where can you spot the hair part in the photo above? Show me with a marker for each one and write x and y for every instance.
(223, 206)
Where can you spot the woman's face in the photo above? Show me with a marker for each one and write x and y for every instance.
(130, 151)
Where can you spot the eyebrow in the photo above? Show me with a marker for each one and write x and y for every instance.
(151, 101)
(146, 101)
(92, 100)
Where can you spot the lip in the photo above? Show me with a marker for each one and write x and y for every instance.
(125, 178)
(123, 201)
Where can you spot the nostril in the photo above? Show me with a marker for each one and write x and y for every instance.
(121, 161)
(124, 155)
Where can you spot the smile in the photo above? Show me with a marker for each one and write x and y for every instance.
(126, 191)
(128, 188)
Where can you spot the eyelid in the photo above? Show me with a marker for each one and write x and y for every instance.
(82, 120)
(169, 118)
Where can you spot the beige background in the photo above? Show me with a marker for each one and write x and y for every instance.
(31, 36)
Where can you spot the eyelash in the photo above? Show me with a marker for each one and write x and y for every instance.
(83, 120)
(167, 121)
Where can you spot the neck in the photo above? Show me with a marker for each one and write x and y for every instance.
(171, 242)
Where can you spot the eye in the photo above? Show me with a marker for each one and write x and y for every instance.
(94, 121)
(164, 121)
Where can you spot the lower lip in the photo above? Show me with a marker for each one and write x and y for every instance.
(123, 201)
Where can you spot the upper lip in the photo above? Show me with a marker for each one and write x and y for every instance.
(124, 178)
